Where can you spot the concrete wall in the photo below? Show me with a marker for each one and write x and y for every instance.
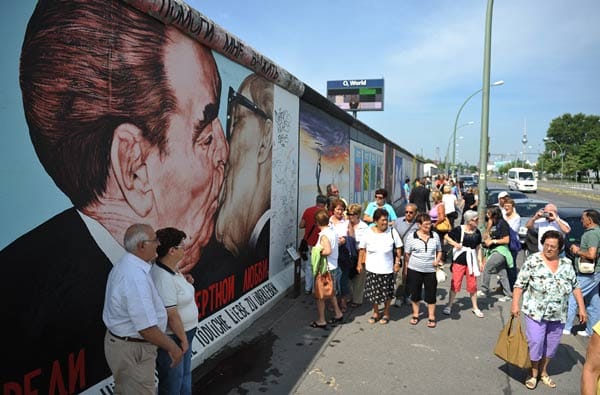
(147, 111)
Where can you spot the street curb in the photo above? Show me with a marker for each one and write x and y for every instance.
(569, 192)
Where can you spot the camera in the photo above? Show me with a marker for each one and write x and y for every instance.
(545, 215)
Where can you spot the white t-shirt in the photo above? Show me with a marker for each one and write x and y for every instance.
(514, 222)
(359, 231)
(332, 259)
(175, 290)
(449, 200)
(341, 227)
(379, 250)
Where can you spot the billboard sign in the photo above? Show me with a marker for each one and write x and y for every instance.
(356, 95)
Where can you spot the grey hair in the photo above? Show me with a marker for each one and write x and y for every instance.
(134, 235)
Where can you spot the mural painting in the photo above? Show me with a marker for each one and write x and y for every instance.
(136, 122)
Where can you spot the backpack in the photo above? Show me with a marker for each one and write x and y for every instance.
(514, 243)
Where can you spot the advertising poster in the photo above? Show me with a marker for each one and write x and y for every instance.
(116, 119)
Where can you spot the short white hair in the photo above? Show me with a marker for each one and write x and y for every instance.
(134, 235)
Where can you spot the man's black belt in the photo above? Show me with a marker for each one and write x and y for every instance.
(128, 339)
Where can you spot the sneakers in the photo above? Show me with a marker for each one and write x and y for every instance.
(477, 313)
(481, 294)
(446, 310)
(566, 332)
(505, 299)
(583, 333)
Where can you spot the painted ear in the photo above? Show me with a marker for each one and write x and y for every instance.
(266, 142)
(129, 167)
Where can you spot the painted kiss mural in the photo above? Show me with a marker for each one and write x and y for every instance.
(134, 122)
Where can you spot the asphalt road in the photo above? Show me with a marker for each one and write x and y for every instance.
(281, 354)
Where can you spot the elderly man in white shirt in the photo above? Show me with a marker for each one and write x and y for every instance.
(548, 219)
(135, 316)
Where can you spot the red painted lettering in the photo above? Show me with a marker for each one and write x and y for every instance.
(57, 382)
(256, 274)
(215, 296)
(12, 388)
(27, 381)
(76, 370)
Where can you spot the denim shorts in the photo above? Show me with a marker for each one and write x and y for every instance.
(336, 274)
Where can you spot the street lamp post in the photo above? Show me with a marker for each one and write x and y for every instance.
(450, 141)
(497, 83)
(485, 110)
(562, 155)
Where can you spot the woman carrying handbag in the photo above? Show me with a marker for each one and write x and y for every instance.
(328, 246)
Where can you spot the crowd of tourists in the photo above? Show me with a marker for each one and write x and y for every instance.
(375, 255)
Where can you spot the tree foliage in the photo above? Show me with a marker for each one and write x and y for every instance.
(577, 137)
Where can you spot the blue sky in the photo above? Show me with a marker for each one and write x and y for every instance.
(430, 54)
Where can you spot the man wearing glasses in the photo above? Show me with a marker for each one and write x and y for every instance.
(135, 316)
(333, 193)
(588, 282)
(404, 226)
(379, 202)
(243, 221)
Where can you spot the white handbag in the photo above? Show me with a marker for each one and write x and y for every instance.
(440, 275)
(584, 267)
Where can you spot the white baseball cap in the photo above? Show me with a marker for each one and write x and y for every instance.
(502, 194)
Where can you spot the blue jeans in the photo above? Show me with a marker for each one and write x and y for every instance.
(336, 274)
(308, 274)
(589, 284)
(176, 380)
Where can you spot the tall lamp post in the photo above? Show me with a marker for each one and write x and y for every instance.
(485, 112)
(450, 141)
(497, 83)
(562, 155)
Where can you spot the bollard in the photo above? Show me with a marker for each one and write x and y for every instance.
(297, 278)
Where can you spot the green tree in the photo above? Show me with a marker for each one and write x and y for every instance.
(579, 137)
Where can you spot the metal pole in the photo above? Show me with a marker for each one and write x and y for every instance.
(485, 109)
(454, 132)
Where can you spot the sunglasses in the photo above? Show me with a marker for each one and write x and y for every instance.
(409, 212)
(234, 98)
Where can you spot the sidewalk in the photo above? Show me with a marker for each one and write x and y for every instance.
(281, 354)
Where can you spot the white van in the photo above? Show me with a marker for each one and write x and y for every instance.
(521, 180)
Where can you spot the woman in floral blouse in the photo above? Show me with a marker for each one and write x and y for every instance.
(546, 280)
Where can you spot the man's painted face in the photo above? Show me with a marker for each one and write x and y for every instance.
(187, 177)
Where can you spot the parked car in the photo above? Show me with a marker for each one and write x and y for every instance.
(492, 195)
(467, 181)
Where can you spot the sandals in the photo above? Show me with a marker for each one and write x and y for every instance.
(373, 319)
(531, 382)
(384, 320)
(317, 326)
(334, 320)
(431, 323)
(548, 381)
(414, 320)
(477, 313)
